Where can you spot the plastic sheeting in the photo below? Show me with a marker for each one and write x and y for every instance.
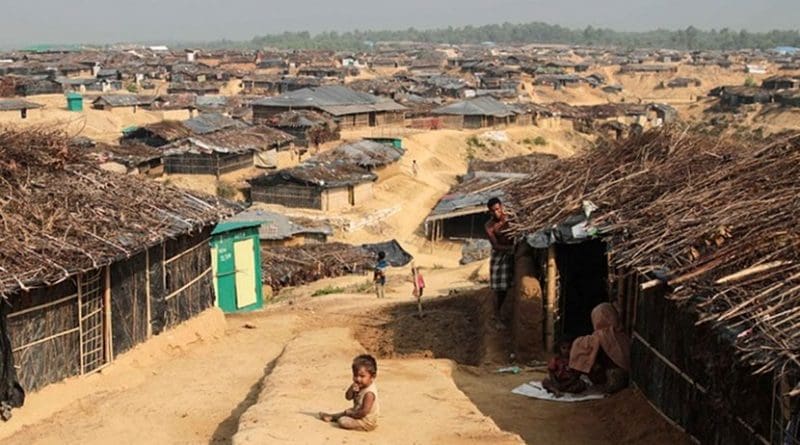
(395, 254)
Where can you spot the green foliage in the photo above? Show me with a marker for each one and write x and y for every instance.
(225, 190)
(749, 82)
(538, 140)
(328, 290)
(690, 38)
(132, 88)
(364, 287)
(473, 141)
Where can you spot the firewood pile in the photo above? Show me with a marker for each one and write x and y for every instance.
(62, 215)
(716, 219)
(294, 266)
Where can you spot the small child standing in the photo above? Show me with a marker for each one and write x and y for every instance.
(379, 277)
(363, 416)
(560, 377)
(419, 287)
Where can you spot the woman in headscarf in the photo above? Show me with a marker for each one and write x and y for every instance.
(605, 354)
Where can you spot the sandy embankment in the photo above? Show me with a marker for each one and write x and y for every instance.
(313, 372)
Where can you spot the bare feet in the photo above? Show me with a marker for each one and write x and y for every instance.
(326, 417)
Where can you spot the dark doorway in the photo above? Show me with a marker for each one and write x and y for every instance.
(465, 226)
(373, 121)
(583, 284)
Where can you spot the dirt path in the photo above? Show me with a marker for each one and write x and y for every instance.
(192, 389)
(162, 393)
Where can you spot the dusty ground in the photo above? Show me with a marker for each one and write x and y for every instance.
(196, 384)
(186, 387)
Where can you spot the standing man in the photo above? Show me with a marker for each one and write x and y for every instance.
(502, 261)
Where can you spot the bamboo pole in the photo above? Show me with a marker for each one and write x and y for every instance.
(80, 319)
(107, 312)
(550, 318)
(147, 291)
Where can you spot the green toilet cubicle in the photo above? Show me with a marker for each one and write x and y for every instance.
(236, 260)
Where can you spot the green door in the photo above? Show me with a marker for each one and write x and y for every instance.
(226, 275)
(237, 266)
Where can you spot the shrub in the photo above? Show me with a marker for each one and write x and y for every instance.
(225, 190)
(328, 290)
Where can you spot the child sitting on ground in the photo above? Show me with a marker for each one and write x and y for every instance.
(560, 377)
(363, 416)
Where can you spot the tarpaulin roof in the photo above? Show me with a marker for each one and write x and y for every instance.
(479, 106)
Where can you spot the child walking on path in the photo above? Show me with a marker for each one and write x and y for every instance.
(363, 416)
(419, 287)
(380, 274)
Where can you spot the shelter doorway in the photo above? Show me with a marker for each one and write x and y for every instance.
(583, 284)
(373, 119)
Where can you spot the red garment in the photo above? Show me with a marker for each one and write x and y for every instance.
(559, 367)
(420, 281)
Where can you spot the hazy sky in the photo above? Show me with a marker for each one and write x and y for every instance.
(25, 22)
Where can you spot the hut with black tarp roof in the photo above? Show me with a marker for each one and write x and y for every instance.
(93, 263)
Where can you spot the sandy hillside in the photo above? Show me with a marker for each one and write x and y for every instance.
(105, 126)
(645, 87)
(442, 156)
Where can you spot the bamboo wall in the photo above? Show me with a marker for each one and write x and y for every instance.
(289, 195)
(80, 325)
(211, 164)
(690, 372)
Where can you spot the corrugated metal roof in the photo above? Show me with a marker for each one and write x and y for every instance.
(331, 97)
(211, 122)
(275, 226)
(230, 226)
(17, 104)
(479, 106)
(364, 153)
(123, 100)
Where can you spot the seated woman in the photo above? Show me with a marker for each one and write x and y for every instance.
(605, 354)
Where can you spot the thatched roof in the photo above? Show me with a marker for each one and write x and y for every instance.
(62, 215)
(715, 218)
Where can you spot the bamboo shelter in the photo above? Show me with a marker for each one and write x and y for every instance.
(297, 265)
(703, 261)
(93, 263)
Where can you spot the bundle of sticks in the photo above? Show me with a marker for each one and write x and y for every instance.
(61, 214)
(717, 215)
(294, 266)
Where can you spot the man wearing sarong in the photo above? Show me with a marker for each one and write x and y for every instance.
(502, 261)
